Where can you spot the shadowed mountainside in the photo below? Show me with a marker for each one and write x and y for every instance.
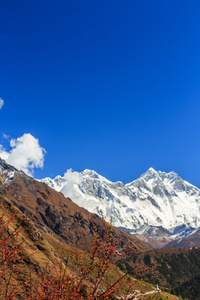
(177, 269)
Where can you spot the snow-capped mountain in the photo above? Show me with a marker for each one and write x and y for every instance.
(53, 213)
(155, 203)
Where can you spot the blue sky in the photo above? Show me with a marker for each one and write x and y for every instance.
(112, 86)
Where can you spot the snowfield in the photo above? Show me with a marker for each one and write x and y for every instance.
(156, 201)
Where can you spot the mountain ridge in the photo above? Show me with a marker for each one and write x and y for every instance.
(155, 204)
(55, 214)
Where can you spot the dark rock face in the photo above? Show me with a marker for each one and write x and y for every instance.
(6, 166)
(41, 203)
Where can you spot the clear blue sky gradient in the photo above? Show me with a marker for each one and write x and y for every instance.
(112, 86)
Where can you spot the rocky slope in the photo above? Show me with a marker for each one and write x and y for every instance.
(191, 241)
(156, 204)
(55, 214)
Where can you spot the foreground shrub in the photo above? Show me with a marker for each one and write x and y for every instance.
(78, 276)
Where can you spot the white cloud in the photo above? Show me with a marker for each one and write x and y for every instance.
(71, 189)
(26, 153)
(73, 176)
(1, 103)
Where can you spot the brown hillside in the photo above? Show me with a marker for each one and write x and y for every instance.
(36, 247)
(55, 214)
(45, 250)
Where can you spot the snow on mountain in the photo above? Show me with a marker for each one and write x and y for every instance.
(155, 202)
(7, 172)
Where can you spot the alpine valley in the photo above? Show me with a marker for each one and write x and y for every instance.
(156, 205)
(158, 210)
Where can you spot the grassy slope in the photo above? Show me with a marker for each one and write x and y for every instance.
(159, 296)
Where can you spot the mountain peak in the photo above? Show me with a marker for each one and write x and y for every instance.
(89, 172)
(152, 170)
(149, 174)
(6, 166)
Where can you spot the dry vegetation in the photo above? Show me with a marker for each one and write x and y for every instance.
(36, 265)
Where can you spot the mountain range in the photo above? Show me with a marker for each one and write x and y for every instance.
(49, 222)
(53, 213)
(160, 209)
(157, 204)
